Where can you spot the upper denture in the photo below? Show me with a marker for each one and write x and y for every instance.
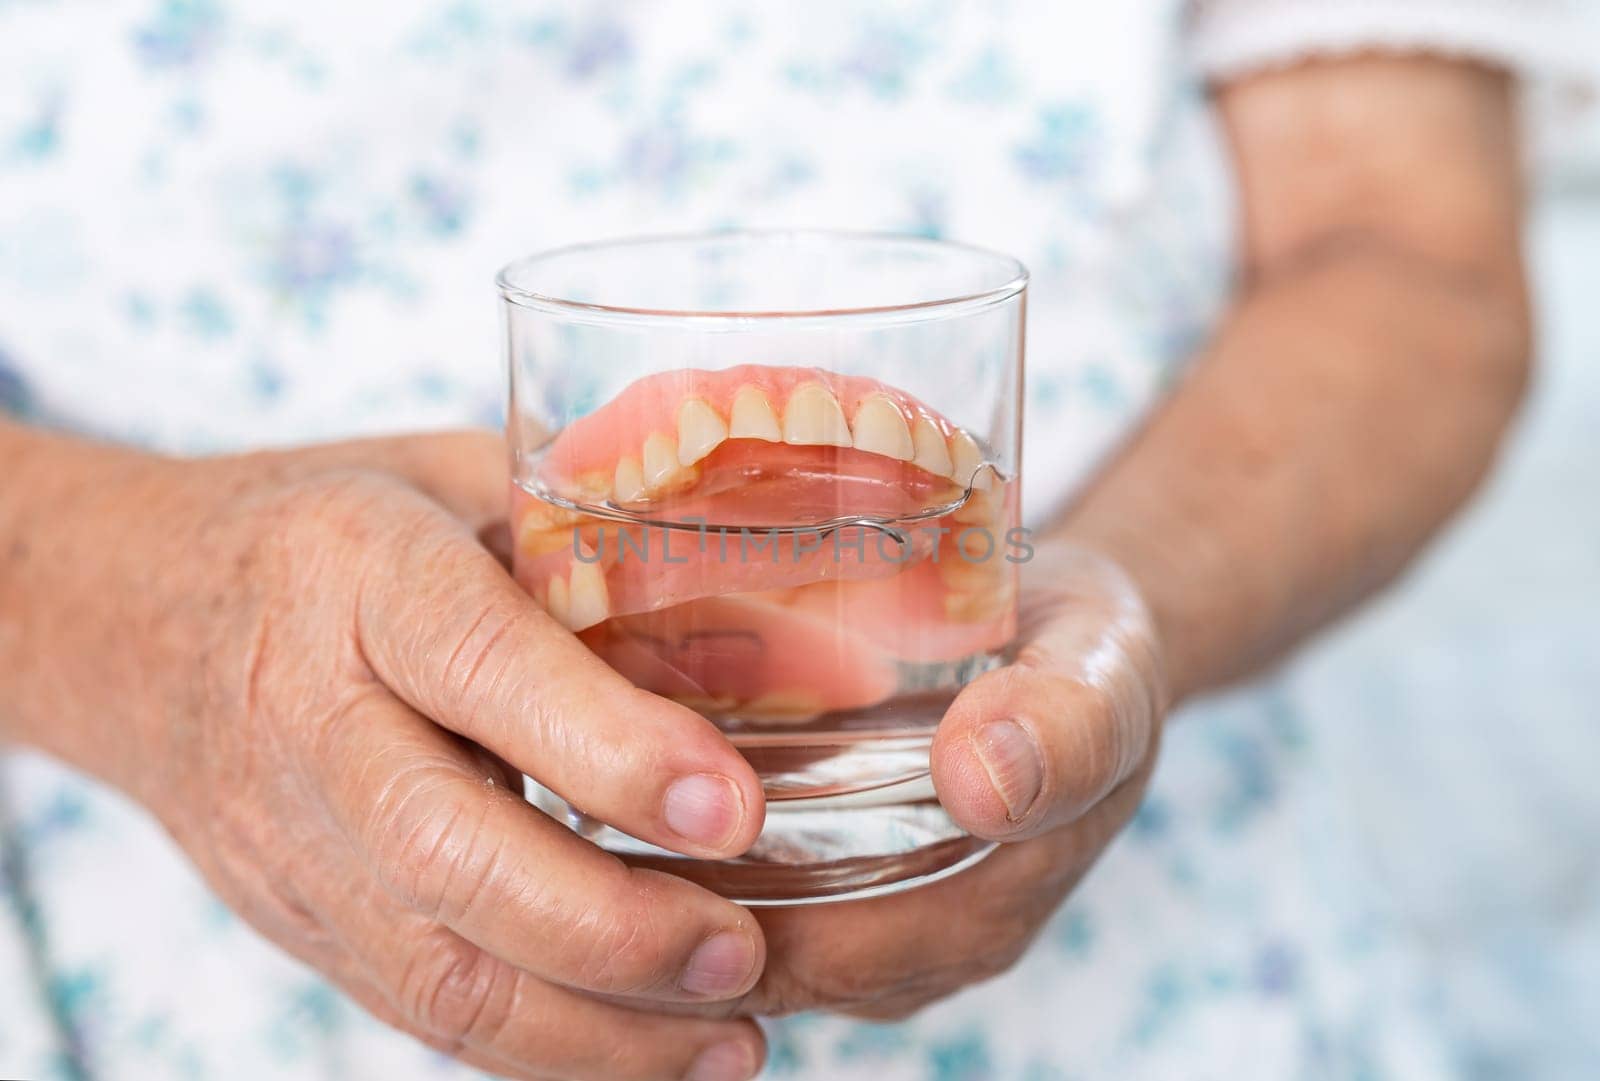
(771, 445)
(653, 437)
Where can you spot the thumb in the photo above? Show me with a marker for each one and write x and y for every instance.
(1035, 745)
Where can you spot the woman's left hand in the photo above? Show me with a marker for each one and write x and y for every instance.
(1050, 755)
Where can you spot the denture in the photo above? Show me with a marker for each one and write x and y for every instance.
(729, 618)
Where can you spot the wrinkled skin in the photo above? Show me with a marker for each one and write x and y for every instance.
(322, 649)
(1088, 686)
(336, 684)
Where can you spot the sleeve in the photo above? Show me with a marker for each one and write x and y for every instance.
(1551, 46)
(1539, 40)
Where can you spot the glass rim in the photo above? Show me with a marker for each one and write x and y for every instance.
(1014, 283)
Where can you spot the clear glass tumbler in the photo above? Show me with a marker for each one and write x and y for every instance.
(774, 477)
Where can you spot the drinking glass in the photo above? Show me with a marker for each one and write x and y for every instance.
(774, 476)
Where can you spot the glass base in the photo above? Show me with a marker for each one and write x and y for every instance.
(813, 851)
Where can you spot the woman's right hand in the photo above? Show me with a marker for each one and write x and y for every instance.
(311, 669)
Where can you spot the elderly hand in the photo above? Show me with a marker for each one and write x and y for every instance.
(1049, 755)
(327, 674)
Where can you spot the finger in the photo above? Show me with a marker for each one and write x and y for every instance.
(886, 955)
(448, 843)
(327, 954)
(422, 978)
(1034, 745)
(457, 639)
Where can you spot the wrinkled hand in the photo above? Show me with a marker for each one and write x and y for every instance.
(340, 685)
(1050, 755)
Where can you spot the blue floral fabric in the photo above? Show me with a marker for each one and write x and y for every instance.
(226, 224)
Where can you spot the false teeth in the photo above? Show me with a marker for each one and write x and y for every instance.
(660, 460)
(628, 484)
(930, 450)
(557, 602)
(880, 429)
(967, 461)
(700, 431)
(588, 601)
(753, 418)
(813, 418)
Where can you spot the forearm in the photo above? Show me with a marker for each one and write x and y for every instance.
(68, 509)
(1351, 402)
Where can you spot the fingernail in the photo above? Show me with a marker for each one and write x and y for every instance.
(1015, 767)
(719, 966)
(703, 809)
(722, 1062)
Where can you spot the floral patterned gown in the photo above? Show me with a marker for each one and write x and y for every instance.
(227, 224)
